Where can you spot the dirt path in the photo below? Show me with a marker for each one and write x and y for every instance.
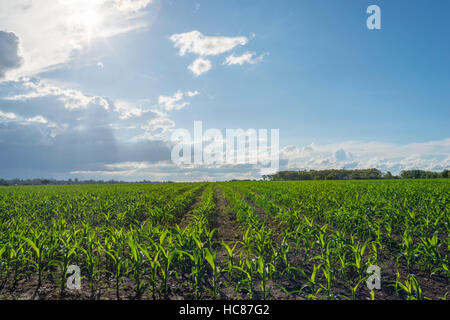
(267, 219)
(227, 227)
(228, 231)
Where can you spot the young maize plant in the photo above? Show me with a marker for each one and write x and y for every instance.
(248, 268)
(13, 253)
(358, 250)
(149, 248)
(354, 288)
(410, 288)
(91, 260)
(113, 249)
(3, 267)
(264, 270)
(318, 236)
(136, 257)
(312, 284)
(284, 250)
(215, 269)
(40, 251)
(166, 256)
(68, 248)
(328, 274)
(408, 249)
(197, 258)
(428, 251)
(230, 261)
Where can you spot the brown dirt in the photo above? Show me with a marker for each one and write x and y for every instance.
(228, 231)
(227, 227)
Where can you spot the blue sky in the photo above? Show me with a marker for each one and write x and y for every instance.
(93, 89)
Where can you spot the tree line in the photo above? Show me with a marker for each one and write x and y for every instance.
(356, 174)
(43, 182)
(331, 174)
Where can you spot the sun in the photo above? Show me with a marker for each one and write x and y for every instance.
(90, 19)
(86, 20)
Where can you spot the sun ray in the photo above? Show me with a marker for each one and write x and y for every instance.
(85, 18)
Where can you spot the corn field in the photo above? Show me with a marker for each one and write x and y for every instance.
(227, 240)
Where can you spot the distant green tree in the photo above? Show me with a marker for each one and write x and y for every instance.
(388, 175)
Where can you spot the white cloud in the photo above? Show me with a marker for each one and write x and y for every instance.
(12, 117)
(196, 42)
(165, 170)
(350, 155)
(132, 121)
(7, 115)
(432, 155)
(245, 58)
(127, 165)
(156, 129)
(9, 52)
(131, 5)
(159, 124)
(200, 66)
(38, 119)
(121, 168)
(51, 31)
(192, 93)
(176, 102)
(128, 109)
(72, 99)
